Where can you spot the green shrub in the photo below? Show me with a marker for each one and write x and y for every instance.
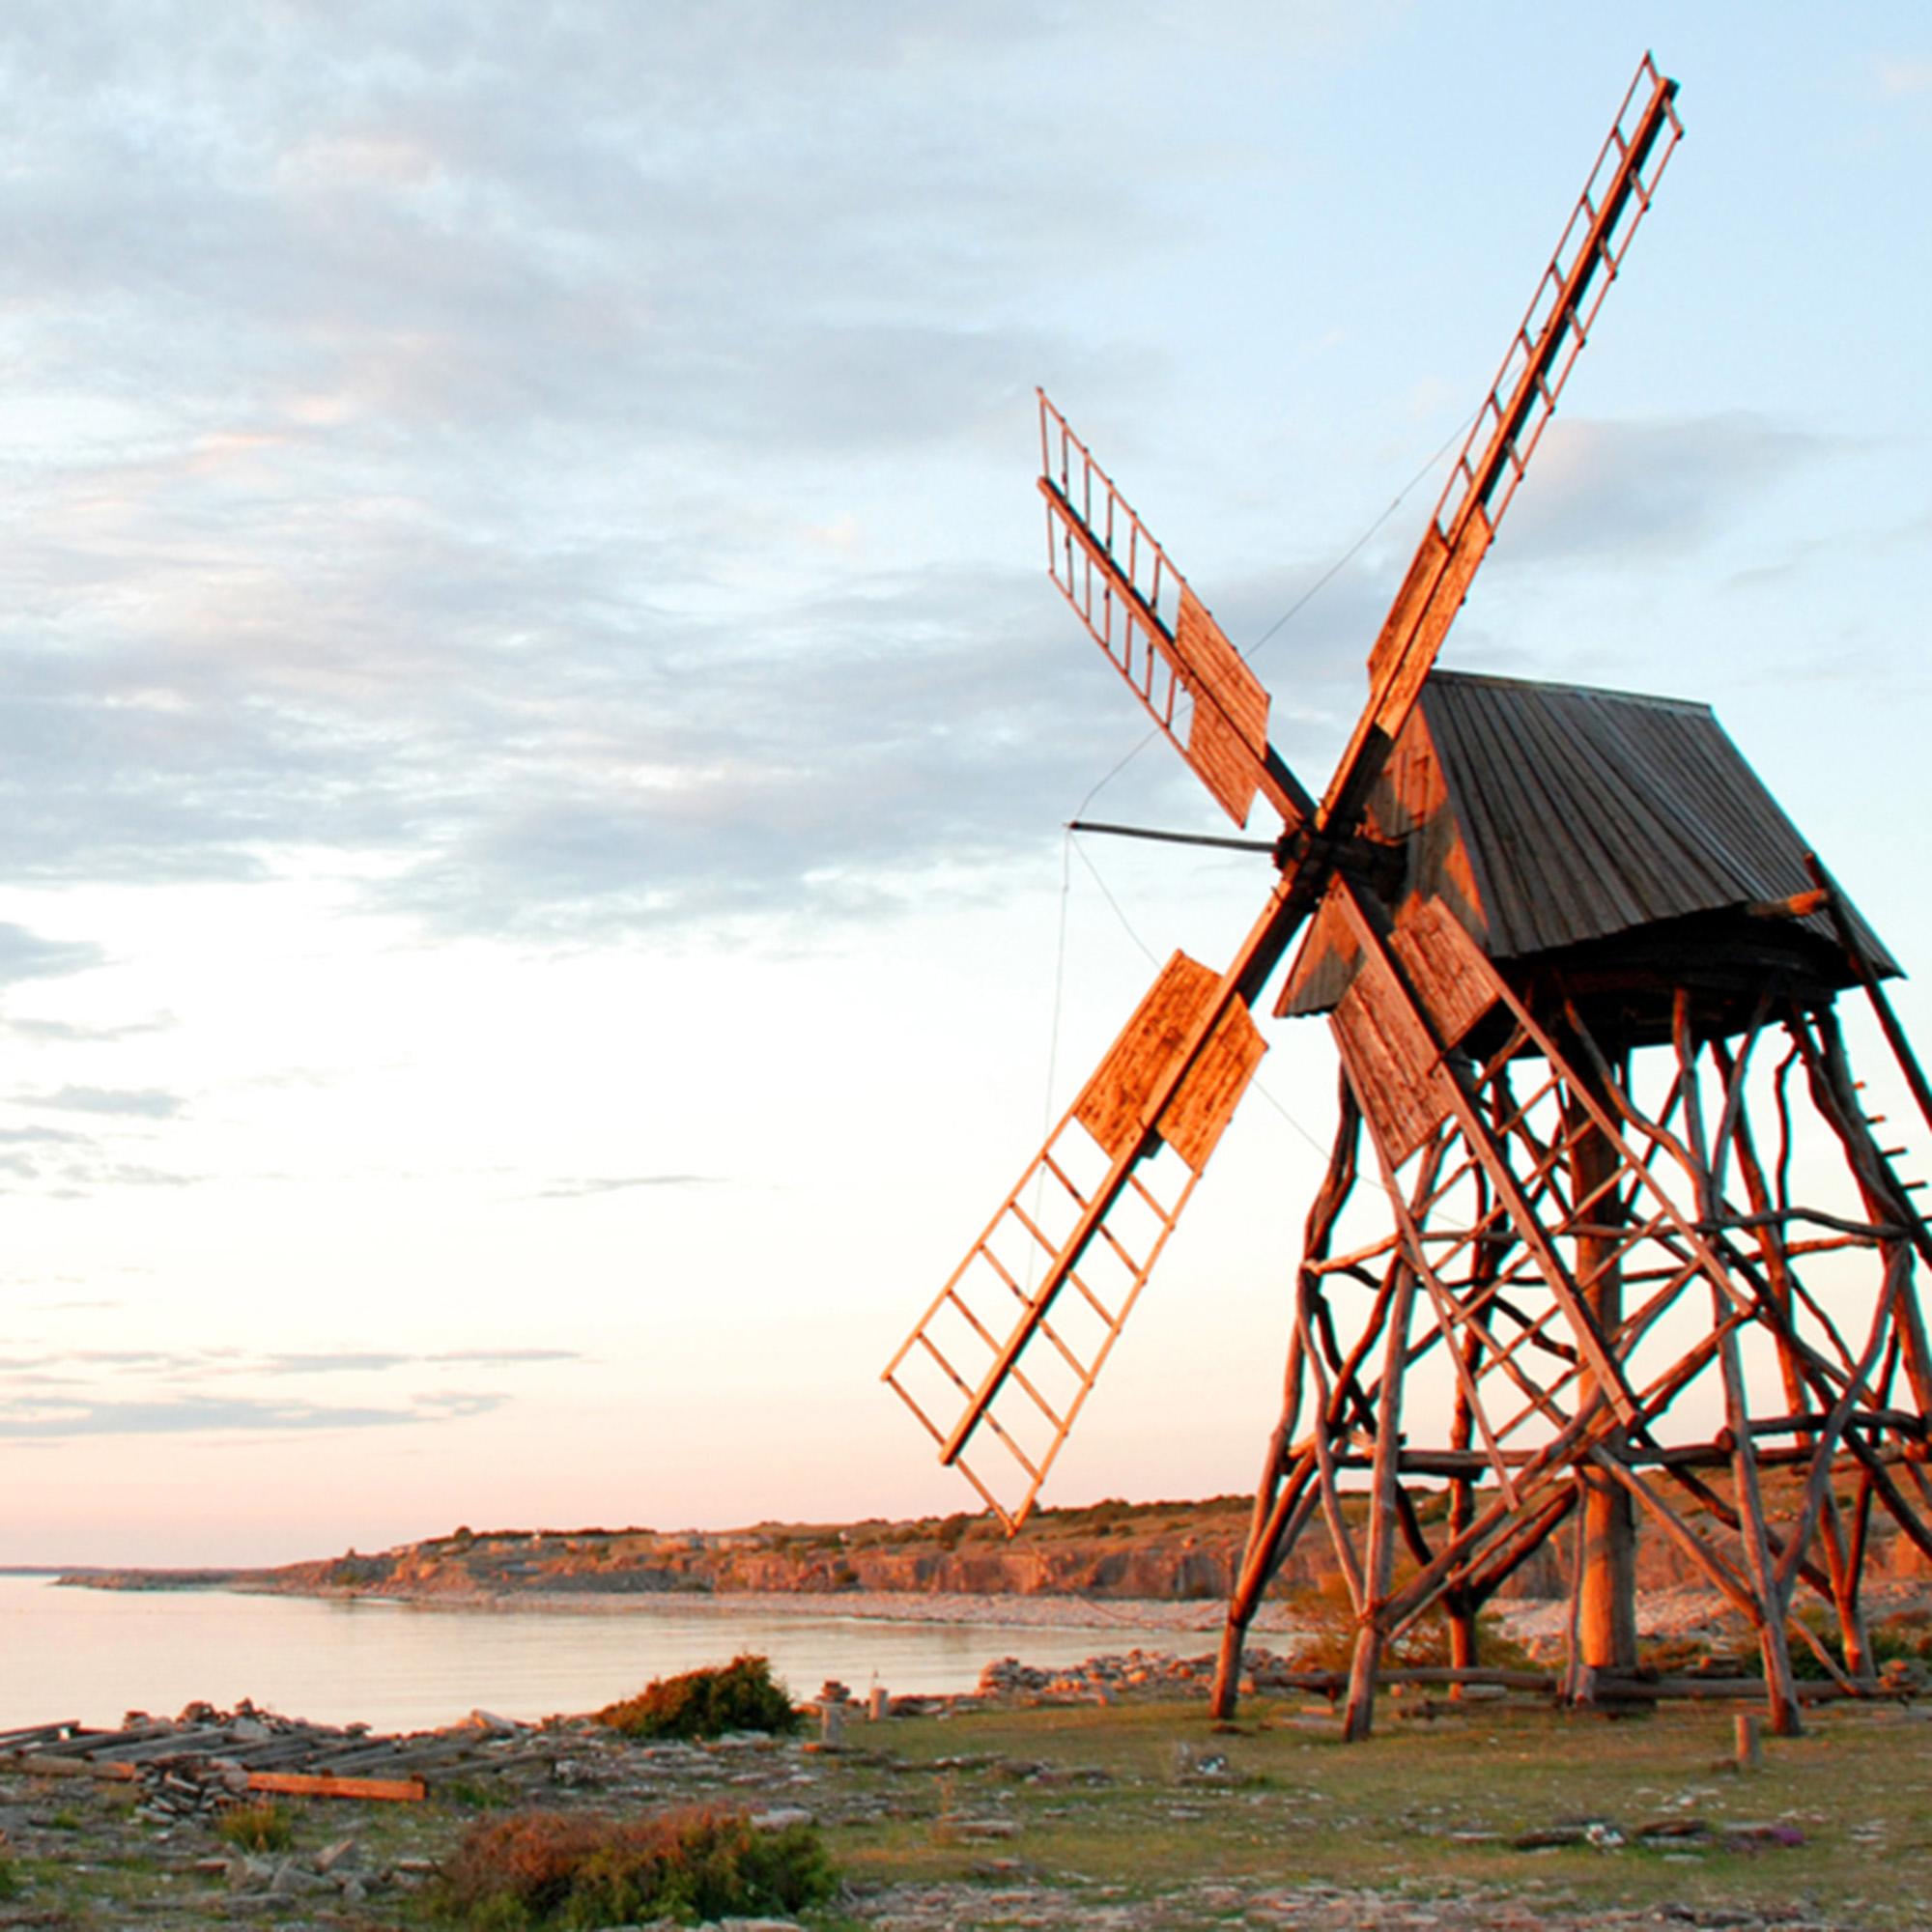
(1903, 1638)
(1329, 1619)
(706, 1703)
(573, 1869)
(263, 1826)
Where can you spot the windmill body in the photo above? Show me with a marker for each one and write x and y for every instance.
(1576, 1262)
(1617, 841)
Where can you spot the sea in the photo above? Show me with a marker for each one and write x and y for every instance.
(75, 1654)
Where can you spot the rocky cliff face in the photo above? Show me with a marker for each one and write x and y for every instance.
(1174, 1551)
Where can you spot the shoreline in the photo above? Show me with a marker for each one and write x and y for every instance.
(1040, 1610)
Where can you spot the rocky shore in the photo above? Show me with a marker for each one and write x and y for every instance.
(1014, 1809)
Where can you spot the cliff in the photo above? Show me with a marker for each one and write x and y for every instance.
(1171, 1551)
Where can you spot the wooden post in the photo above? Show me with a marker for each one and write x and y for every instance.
(1750, 1741)
(1279, 1516)
(1385, 1477)
(1606, 1582)
(1752, 1530)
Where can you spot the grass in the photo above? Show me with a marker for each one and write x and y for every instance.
(1427, 1804)
(262, 1827)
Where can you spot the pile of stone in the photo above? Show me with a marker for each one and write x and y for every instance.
(338, 1872)
(1147, 1673)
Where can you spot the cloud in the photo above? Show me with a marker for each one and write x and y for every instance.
(578, 1189)
(146, 1103)
(506, 1356)
(26, 955)
(369, 1361)
(1602, 489)
(426, 436)
(66, 1032)
(347, 1361)
(26, 1418)
(1897, 77)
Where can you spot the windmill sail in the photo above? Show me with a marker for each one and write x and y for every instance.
(1508, 426)
(1194, 684)
(1013, 1345)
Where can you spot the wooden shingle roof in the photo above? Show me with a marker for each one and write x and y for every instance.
(1548, 816)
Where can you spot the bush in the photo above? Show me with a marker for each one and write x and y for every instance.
(1329, 1643)
(263, 1827)
(573, 1869)
(1901, 1638)
(706, 1703)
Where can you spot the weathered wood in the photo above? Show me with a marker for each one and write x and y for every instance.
(1607, 1542)
(1380, 1564)
(1278, 1515)
(60, 1764)
(1451, 978)
(302, 1784)
(1114, 1104)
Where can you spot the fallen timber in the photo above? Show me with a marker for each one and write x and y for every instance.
(207, 1759)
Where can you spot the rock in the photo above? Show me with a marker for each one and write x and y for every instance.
(291, 1881)
(780, 1818)
(1762, 1838)
(987, 1827)
(1546, 1835)
(341, 1855)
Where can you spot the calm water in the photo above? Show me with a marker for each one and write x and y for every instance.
(92, 1655)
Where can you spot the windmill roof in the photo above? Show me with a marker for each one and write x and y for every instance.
(1587, 813)
(1554, 815)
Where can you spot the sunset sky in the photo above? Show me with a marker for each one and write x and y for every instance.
(534, 919)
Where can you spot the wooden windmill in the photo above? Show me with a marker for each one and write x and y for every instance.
(1582, 972)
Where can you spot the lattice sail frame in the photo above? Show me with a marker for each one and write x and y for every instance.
(1559, 1316)
(1012, 1344)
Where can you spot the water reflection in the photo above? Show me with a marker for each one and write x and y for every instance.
(92, 1655)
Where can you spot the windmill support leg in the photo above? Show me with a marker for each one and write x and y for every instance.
(1295, 1501)
(1280, 1516)
(1385, 1480)
(1605, 1582)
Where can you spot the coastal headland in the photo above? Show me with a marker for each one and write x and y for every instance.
(1181, 1554)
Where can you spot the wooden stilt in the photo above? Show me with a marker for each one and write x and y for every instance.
(1382, 1527)
(1270, 1532)
(1605, 1582)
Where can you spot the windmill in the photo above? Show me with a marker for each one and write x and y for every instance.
(1576, 1260)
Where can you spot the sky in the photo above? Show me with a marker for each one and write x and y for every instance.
(535, 924)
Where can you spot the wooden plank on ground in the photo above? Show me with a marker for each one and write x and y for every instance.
(48, 1764)
(305, 1784)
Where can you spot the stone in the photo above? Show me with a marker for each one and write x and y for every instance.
(780, 1818)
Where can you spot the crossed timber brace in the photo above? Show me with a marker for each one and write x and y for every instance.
(1577, 1270)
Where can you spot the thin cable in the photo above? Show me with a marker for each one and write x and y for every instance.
(1080, 811)
(1343, 561)
(1129, 927)
(1059, 987)
(1314, 591)
(1069, 846)
(1052, 1049)
(1126, 925)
